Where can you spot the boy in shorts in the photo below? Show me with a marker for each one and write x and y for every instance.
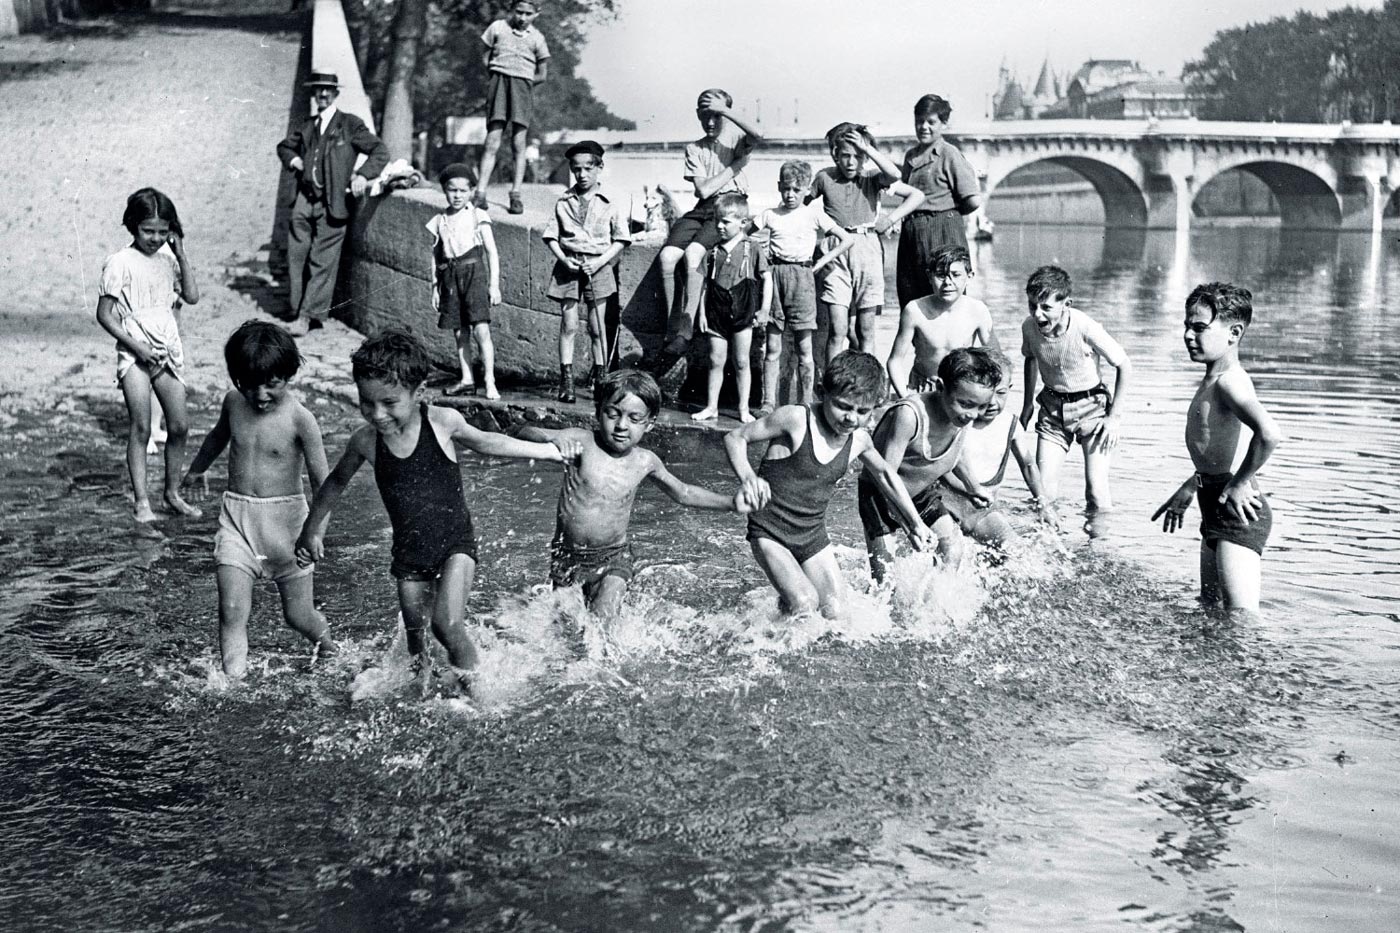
(590, 547)
(738, 294)
(931, 326)
(270, 436)
(853, 289)
(463, 291)
(1235, 515)
(412, 448)
(793, 231)
(517, 59)
(1063, 346)
(589, 234)
(714, 165)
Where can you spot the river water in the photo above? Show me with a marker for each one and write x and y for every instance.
(1064, 742)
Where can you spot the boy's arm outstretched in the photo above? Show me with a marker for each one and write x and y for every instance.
(214, 443)
(782, 423)
(309, 544)
(1030, 472)
(493, 444)
(696, 497)
(844, 241)
(892, 488)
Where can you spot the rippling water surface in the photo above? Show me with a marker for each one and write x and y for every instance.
(1063, 742)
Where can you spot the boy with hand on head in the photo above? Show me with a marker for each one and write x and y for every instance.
(464, 292)
(714, 165)
(951, 189)
(931, 326)
(270, 435)
(589, 234)
(412, 447)
(1235, 516)
(921, 438)
(590, 546)
(738, 294)
(810, 448)
(1063, 345)
(854, 284)
(517, 59)
(793, 231)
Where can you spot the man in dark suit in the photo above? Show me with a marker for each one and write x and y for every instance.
(322, 153)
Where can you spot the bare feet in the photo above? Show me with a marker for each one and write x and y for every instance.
(745, 416)
(300, 327)
(492, 393)
(325, 649)
(180, 506)
(143, 512)
(705, 414)
(461, 388)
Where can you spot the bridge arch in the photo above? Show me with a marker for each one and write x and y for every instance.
(1124, 202)
(1306, 200)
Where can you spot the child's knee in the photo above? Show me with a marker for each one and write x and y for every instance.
(694, 256)
(670, 258)
(177, 426)
(719, 353)
(741, 362)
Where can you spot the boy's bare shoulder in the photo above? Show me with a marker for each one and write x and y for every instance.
(1235, 384)
(975, 306)
(362, 441)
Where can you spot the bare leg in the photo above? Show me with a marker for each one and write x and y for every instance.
(1238, 576)
(486, 352)
(1096, 492)
(806, 366)
(838, 317)
(450, 608)
(171, 392)
(826, 578)
(136, 387)
(299, 609)
(1049, 459)
(606, 599)
(796, 594)
(568, 328)
(719, 351)
(1210, 577)
(694, 280)
(517, 142)
(865, 329)
(464, 358)
(670, 257)
(235, 604)
(772, 367)
(742, 343)
(951, 546)
(416, 604)
(881, 556)
(494, 131)
(598, 333)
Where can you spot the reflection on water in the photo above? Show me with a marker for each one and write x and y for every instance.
(1064, 742)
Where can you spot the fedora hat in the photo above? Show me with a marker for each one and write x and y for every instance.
(323, 79)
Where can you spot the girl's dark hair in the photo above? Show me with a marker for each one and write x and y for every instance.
(258, 352)
(622, 382)
(392, 355)
(148, 203)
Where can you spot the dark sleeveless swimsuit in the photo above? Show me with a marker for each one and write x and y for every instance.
(423, 495)
(802, 487)
(877, 516)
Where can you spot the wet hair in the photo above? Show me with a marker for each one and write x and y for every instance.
(855, 375)
(932, 105)
(457, 170)
(1229, 304)
(623, 382)
(795, 172)
(946, 255)
(833, 135)
(969, 364)
(586, 147)
(148, 203)
(392, 355)
(732, 202)
(258, 352)
(699, 101)
(1003, 362)
(1047, 282)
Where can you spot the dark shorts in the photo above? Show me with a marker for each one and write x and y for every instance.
(1219, 524)
(575, 565)
(920, 234)
(509, 100)
(464, 294)
(414, 572)
(804, 542)
(877, 516)
(696, 226)
(567, 284)
(794, 296)
(726, 320)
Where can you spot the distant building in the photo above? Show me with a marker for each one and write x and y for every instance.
(1102, 89)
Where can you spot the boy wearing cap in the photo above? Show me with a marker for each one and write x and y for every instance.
(588, 235)
(517, 59)
(322, 153)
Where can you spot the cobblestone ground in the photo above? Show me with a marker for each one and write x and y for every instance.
(191, 103)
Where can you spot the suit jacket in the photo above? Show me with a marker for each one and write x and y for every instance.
(346, 136)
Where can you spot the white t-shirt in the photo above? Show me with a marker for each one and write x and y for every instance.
(793, 235)
(459, 233)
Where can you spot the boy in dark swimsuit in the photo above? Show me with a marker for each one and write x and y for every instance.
(412, 447)
(811, 448)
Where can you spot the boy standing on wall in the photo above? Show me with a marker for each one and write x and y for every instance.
(517, 58)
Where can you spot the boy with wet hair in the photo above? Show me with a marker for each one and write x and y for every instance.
(810, 448)
(714, 165)
(853, 288)
(951, 189)
(794, 228)
(589, 234)
(517, 59)
(1063, 346)
(590, 546)
(931, 326)
(412, 447)
(921, 437)
(270, 436)
(1235, 515)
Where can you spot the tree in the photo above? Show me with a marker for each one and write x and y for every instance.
(409, 25)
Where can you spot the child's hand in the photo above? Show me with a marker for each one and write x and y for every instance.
(979, 497)
(590, 266)
(923, 538)
(148, 355)
(176, 242)
(358, 184)
(495, 294)
(757, 492)
(570, 448)
(1241, 500)
(1175, 508)
(195, 486)
(714, 103)
(883, 224)
(309, 549)
(1107, 433)
(1026, 411)
(742, 504)
(1048, 514)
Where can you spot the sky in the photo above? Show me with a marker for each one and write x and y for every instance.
(868, 60)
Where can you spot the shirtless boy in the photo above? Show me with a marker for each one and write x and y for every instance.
(1235, 516)
(590, 546)
(931, 326)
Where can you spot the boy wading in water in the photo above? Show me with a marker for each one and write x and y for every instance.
(1235, 516)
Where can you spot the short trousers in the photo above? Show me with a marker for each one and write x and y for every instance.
(803, 543)
(1062, 421)
(726, 318)
(573, 564)
(509, 99)
(856, 278)
(464, 294)
(258, 535)
(566, 284)
(878, 518)
(987, 525)
(419, 574)
(920, 234)
(696, 226)
(1219, 524)
(794, 296)
(156, 326)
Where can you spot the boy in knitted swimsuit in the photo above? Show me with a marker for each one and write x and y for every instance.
(811, 448)
(412, 447)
